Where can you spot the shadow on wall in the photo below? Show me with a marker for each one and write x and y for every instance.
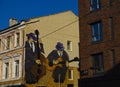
(16, 86)
(110, 79)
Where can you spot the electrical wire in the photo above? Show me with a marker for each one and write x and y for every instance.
(59, 29)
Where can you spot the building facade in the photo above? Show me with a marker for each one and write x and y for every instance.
(99, 36)
(11, 55)
(61, 27)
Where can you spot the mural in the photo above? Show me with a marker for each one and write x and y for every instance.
(34, 58)
(36, 64)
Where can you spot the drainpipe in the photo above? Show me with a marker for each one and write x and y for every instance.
(79, 44)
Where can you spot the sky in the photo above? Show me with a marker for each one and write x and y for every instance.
(25, 9)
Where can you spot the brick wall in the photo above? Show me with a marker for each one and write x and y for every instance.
(109, 42)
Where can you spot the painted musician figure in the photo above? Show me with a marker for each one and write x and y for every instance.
(30, 58)
(59, 58)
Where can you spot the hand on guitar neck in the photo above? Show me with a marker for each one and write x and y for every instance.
(38, 62)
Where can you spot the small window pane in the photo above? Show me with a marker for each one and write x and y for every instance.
(69, 45)
(97, 31)
(8, 43)
(95, 4)
(6, 70)
(17, 68)
(70, 74)
(98, 63)
(0, 45)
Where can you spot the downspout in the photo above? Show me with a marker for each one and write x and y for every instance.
(79, 42)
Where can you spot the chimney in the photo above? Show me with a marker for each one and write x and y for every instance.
(13, 21)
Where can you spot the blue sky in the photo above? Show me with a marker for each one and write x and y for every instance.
(25, 9)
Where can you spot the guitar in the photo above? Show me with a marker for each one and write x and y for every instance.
(58, 63)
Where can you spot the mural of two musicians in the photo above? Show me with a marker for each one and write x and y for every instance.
(36, 63)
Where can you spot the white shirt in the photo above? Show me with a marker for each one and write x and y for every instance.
(60, 53)
(32, 45)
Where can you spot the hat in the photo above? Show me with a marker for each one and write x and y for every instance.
(31, 35)
(59, 46)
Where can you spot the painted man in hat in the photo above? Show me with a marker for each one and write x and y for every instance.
(59, 56)
(30, 61)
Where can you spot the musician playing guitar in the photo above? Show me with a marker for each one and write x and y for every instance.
(31, 62)
(58, 55)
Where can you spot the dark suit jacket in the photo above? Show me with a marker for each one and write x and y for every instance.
(30, 55)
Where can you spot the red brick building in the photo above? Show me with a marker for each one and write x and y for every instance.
(99, 36)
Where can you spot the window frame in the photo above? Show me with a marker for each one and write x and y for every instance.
(70, 74)
(7, 70)
(69, 45)
(8, 42)
(95, 6)
(16, 74)
(18, 39)
(5, 61)
(17, 63)
(98, 70)
(98, 35)
(0, 45)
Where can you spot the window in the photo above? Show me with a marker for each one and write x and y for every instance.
(69, 45)
(5, 67)
(8, 43)
(18, 39)
(6, 70)
(95, 4)
(70, 74)
(16, 66)
(0, 45)
(98, 64)
(96, 31)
